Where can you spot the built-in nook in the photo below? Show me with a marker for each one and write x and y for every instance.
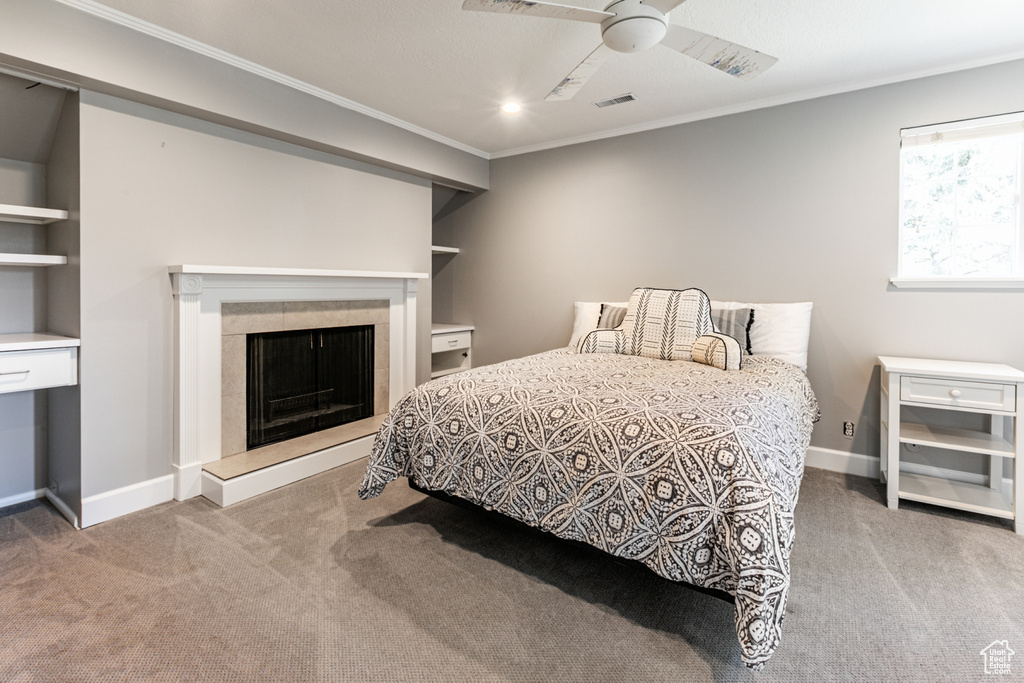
(324, 412)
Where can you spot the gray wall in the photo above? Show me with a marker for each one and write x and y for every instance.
(22, 308)
(63, 309)
(158, 189)
(792, 203)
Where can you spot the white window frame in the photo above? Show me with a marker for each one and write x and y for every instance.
(990, 126)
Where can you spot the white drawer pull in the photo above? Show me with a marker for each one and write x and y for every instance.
(954, 392)
(16, 372)
(452, 343)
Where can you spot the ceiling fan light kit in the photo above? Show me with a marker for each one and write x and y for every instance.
(632, 26)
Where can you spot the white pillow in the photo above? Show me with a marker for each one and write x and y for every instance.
(587, 315)
(779, 330)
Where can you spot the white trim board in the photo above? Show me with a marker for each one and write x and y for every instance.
(861, 465)
(125, 500)
(62, 507)
(22, 498)
(49, 495)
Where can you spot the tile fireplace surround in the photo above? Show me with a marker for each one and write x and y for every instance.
(201, 293)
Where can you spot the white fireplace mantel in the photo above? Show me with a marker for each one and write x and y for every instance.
(199, 293)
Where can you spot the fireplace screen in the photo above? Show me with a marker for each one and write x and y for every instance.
(303, 381)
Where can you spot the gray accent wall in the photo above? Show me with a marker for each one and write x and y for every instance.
(792, 203)
(159, 188)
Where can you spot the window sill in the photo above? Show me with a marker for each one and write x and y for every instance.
(958, 283)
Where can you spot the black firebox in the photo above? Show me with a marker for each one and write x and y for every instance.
(304, 381)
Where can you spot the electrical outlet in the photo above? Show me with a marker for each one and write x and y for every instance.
(54, 486)
(848, 430)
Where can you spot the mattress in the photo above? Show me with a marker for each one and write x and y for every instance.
(691, 470)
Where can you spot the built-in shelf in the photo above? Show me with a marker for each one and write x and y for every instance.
(32, 260)
(33, 341)
(451, 349)
(29, 362)
(31, 214)
(435, 249)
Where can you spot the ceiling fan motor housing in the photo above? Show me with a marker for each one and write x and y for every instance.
(634, 27)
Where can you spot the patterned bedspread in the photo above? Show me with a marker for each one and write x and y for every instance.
(692, 470)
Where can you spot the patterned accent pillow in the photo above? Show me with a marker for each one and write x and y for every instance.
(602, 341)
(718, 350)
(736, 323)
(664, 323)
(611, 316)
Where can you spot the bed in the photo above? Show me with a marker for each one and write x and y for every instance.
(689, 469)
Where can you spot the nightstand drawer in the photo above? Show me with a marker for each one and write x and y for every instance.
(450, 341)
(958, 393)
(29, 370)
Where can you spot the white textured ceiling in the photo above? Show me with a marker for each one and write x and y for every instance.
(445, 70)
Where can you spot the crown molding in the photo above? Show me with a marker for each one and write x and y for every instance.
(135, 24)
(800, 96)
(144, 27)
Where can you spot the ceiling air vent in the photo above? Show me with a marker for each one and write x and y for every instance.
(628, 97)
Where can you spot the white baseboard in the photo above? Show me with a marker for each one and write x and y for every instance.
(122, 501)
(226, 492)
(22, 497)
(62, 507)
(861, 465)
(188, 481)
(841, 461)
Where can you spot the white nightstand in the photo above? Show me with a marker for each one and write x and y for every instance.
(451, 348)
(986, 388)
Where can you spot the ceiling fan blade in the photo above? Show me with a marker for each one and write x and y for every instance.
(538, 9)
(663, 6)
(733, 59)
(571, 84)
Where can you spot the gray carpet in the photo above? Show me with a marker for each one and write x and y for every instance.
(308, 583)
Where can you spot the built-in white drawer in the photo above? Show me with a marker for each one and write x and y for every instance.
(38, 369)
(450, 341)
(958, 393)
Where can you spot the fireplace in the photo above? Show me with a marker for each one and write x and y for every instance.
(216, 308)
(300, 382)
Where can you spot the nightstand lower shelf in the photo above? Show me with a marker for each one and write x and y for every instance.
(954, 494)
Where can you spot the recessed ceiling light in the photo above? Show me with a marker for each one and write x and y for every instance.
(511, 108)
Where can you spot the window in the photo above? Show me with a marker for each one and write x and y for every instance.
(960, 188)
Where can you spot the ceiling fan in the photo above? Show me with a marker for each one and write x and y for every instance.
(632, 26)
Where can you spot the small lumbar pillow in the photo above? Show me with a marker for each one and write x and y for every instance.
(664, 323)
(718, 350)
(602, 341)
